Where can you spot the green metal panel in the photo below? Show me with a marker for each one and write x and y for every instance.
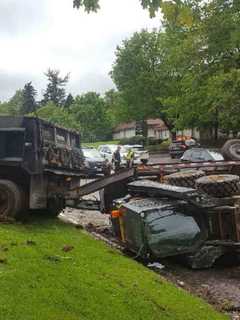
(162, 228)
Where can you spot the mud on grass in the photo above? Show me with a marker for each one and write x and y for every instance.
(50, 270)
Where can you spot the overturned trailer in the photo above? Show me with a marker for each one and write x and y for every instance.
(158, 220)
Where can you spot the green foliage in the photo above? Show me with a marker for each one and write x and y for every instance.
(90, 111)
(69, 101)
(55, 91)
(57, 115)
(88, 5)
(39, 280)
(188, 73)
(133, 140)
(99, 143)
(28, 95)
(162, 146)
(14, 106)
(93, 5)
(207, 61)
(139, 75)
(116, 107)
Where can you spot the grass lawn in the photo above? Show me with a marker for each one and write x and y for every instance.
(99, 143)
(41, 281)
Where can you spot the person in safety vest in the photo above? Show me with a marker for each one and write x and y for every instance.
(130, 158)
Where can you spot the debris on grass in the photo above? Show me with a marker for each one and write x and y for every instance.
(67, 248)
(3, 260)
(156, 265)
(31, 243)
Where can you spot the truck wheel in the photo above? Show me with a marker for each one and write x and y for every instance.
(184, 178)
(219, 185)
(55, 206)
(231, 149)
(11, 200)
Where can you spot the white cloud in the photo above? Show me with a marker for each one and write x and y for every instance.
(54, 35)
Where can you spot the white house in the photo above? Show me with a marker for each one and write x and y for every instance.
(156, 130)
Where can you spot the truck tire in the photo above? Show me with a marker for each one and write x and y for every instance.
(11, 200)
(231, 149)
(184, 178)
(219, 186)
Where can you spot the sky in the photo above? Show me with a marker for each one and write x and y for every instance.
(37, 35)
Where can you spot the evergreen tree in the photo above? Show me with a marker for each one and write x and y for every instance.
(55, 91)
(69, 101)
(28, 95)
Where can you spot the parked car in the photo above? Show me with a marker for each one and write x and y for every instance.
(178, 147)
(107, 151)
(94, 163)
(140, 155)
(201, 154)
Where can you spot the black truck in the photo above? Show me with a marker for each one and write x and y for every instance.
(39, 164)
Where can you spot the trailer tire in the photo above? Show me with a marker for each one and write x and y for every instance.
(184, 178)
(231, 149)
(219, 186)
(11, 200)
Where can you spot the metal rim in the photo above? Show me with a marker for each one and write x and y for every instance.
(235, 149)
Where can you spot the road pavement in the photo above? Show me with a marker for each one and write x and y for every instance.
(160, 157)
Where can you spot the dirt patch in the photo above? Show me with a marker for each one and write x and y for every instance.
(85, 218)
(220, 285)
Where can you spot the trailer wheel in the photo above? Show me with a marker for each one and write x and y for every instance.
(11, 200)
(219, 185)
(231, 149)
(184, 178)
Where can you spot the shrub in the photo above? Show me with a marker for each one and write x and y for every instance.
(133, 140)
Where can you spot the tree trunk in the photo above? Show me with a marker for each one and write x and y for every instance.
(170, 127)
(216, 125)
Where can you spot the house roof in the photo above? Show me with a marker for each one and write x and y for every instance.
(125, 126)
(156, 123)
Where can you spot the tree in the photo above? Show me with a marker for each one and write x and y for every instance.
(69, 101)
(55, 91)
(93, 5)
(208, 62)
(116, 107)
(60, 116)
(28, 95)
(90, 111)
(139, 74)
(4, 109)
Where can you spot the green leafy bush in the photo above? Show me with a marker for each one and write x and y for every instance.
(133, 140)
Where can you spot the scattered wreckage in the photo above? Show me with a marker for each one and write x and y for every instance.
(157, 211)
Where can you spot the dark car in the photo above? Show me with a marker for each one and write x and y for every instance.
(177, 149)
(94, 162)
(201, 154)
